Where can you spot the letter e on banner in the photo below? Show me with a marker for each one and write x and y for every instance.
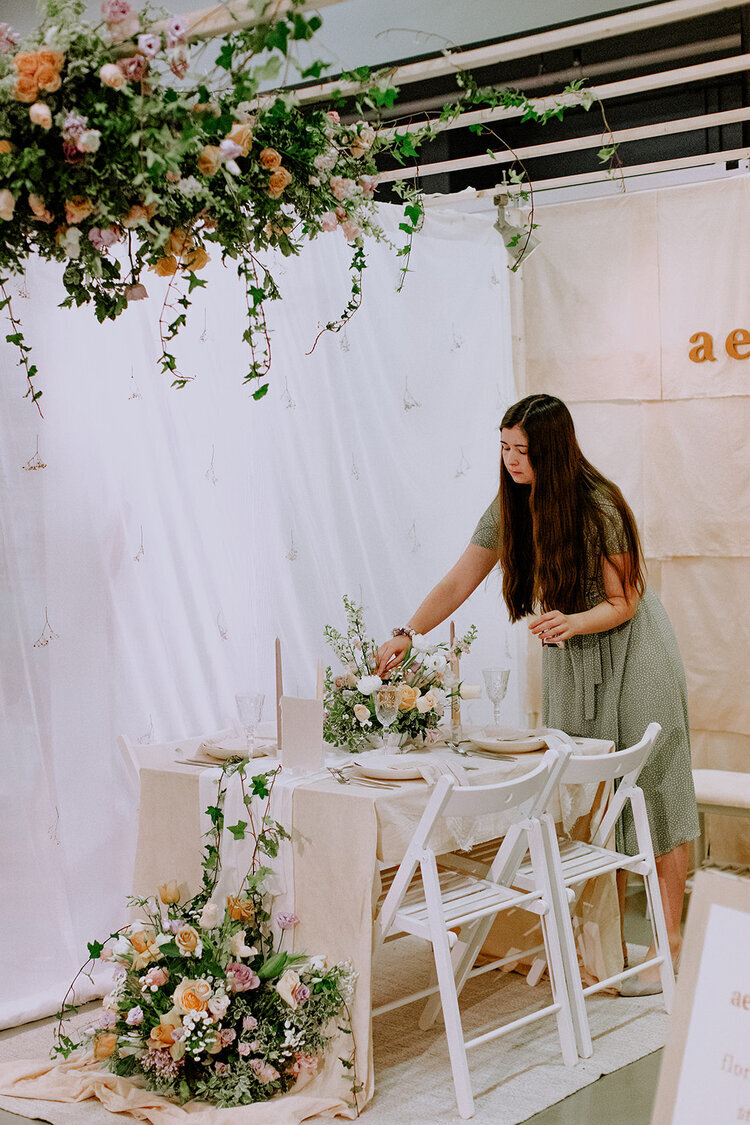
(704, 347)
(737, 339)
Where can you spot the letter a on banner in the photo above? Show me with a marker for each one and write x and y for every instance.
(704, 348)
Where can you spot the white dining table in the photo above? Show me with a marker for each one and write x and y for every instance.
(343, 837)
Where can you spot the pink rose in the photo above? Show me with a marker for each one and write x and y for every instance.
(342, 187)
(149, 45)
(350, 229)
(227, 1036)
(285, 920)
(368, 185)
(218, 1005)
(301, 993)
(155, 978)
(115, 11)
(134, 68)
(240, 978)
(249, 1023)
(111, 75)
(330, 222)
(177, 31)
(134, 1018)
(302, 1063)
(72, 153)
(102, 239)
(264, 1072)
(243, 1049)
(108, 1018)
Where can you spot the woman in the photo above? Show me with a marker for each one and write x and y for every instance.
(570, 555)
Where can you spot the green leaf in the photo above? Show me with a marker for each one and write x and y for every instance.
(261, 392)
(238, 829)
(273, 967)
(95, 947)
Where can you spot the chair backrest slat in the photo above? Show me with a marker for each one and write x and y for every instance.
(518, 794)
(583, 769)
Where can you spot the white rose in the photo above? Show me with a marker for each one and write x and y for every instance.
(209, 916)
(368, 684)
(419, 644)
(89, 141)
(286, 986)
(425, 703)
(238, 947)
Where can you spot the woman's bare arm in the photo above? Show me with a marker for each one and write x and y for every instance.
(620, 605)
(451, 592)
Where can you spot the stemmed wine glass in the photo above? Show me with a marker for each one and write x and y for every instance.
(249, 709)
(387, 700)
(496, 684)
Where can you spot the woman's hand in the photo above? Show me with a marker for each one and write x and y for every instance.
(391, 654)
(553, 626)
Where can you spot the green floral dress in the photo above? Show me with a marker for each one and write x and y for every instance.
(613, 684)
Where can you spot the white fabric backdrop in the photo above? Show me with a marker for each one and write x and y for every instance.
(172, 534)
(610, 300)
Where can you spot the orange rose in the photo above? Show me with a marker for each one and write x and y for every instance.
(187, 939)
(5, 148)
(169, 892)
(240, 909)
(48, 79)
(179, 243)
(26, 63)
(25, 89)
(192, 996)
(408, 697)
(77, 209)
(196, 259)
(242, 135)
(209, 160)
(104, 1045)
(278, 180)
(165, 267)
(50, 56)
(36, 203)
(141, 940)
(269, 158)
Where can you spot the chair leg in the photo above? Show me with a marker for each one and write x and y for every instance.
(448, 996)
(654, 903)
(551, 931)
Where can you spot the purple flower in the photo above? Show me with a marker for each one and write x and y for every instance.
(115, 11)
(301, 993)
(249, 1023)
(177, 30)
(149, 45)
(240, 978)
(108, 1018)
(73, 125)
(243, 1049)
(71, 153)
(134, 1017)
(285, 920)
(230, 150)
(8, 38)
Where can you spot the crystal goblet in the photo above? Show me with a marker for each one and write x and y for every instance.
(496, 685)
(387, 699)
(250, 710)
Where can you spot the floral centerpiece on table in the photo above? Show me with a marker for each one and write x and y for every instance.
(425, 676)
(207, 1004)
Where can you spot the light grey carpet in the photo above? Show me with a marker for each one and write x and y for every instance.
(512, 1078)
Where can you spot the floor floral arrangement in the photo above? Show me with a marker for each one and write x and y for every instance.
(425, 678)
(139, 144)
(206, 1003)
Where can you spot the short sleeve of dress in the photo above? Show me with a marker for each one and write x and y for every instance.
(615, 540)
(487, 532)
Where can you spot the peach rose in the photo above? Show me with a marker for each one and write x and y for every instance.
(27, 63)
(408, 697)
(141, 940)
(242, 135)
(278, 181)
(161, 1037)
(269, 159)
(7, 204)
(286, 986)
(139, 213)
(50, 56)
(48, 79)
(179, 243)
(25, 89)
(187, 939)
(169, 892)
(196, 259)
(40, 115)
(425, 703)
(166, 266)
(77, 209)
(5, 148)
(209, 160)
(104, 1045)
(361, 713)
(240, 909)
(112, 76)
(192, 996)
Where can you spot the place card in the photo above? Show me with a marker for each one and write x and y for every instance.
(301, 750)
(705, 1071)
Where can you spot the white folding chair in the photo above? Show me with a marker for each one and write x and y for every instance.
(573, 862)
(433, 906)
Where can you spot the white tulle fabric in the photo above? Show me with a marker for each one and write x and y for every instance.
(173, 534)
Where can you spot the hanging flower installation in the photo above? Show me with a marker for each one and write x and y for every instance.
(125, 152)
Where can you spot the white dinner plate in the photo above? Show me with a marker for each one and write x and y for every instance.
(508, 741)
(385, 766)
(233, 747)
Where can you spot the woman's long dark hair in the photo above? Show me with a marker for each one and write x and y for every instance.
(554, 531)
